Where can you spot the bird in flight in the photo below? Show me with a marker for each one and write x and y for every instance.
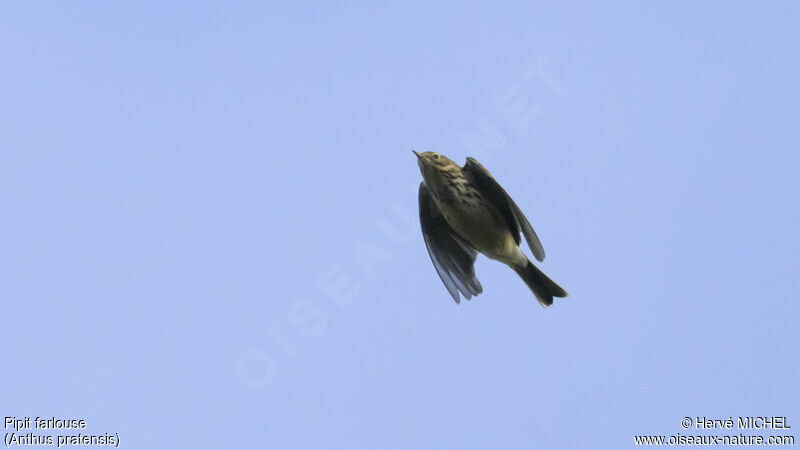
(463, 211)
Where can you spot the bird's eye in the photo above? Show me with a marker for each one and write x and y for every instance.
(435, 156)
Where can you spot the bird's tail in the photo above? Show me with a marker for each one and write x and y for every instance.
(543, 287)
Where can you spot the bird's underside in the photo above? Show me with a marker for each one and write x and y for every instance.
(453, 254)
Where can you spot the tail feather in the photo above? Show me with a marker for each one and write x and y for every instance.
(543, 287)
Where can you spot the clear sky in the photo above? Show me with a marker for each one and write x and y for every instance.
(209, 239)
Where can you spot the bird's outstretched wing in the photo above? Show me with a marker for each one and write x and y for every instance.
(486, 184)
(453, 259)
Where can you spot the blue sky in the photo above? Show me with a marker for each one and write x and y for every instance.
(209, 232)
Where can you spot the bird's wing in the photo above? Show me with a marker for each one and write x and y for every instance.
(452, 257)
(486, 184)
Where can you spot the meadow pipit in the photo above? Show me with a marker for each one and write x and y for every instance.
(463, 211)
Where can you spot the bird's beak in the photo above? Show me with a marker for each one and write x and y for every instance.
(418, 155)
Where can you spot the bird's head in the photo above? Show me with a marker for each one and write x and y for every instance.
(433, 165)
